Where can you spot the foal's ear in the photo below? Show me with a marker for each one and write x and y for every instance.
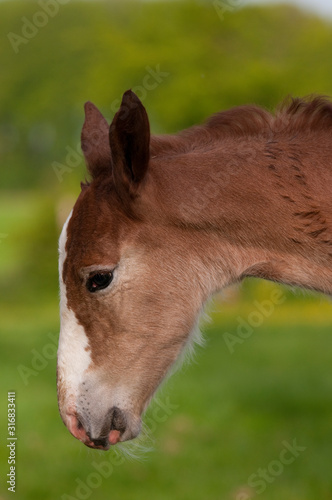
(129, 138)
(95, 143)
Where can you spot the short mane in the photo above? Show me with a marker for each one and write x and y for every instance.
(294, 115)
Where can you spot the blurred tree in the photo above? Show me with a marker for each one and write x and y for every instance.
(184, 60)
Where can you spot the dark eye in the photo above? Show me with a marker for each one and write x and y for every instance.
(99, 281)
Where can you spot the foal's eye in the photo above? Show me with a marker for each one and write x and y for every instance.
(99, 281)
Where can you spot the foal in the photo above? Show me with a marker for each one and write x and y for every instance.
(165, 222)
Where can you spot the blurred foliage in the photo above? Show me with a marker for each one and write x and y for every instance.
(96, 50)
(184, 59)
(234, 410)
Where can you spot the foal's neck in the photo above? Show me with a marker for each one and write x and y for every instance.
(259, 205)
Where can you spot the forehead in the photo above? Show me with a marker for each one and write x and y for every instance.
(95, 227)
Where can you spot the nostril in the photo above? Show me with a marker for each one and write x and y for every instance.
(117, 424)
(76, 427)
(114, 426)
(118, 420)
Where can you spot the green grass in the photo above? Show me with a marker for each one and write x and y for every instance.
(227, 414)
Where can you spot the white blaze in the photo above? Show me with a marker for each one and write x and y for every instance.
(73, 356)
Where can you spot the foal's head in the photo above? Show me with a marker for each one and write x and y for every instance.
(128, 305)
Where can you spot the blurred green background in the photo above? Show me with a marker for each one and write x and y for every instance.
(225, 421)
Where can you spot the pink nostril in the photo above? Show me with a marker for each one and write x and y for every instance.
(76, 428)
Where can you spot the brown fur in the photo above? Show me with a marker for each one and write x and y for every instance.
(182, 216)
